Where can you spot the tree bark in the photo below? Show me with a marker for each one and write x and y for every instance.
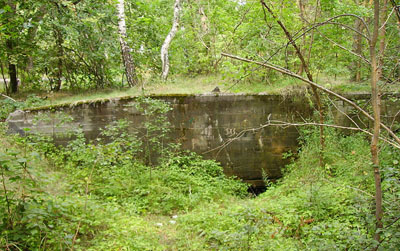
(12, 70)
(4, 78)
(60, 55)
(168, 40)
(129, 65)
(357, 48)
(376, 114)
(382, 37)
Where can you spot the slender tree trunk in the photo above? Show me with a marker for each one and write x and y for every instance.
(60, 55)
(12, 70)
(376, 132)
(317, 14)
(382, 37)
(168, 40)
(309, 76)
(4, 78)
(305, 22)
(357, 48)
(129, 65)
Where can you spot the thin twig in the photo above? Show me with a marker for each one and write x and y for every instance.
(326, 90)
(342, 112)
(384, 24)
(344, 48)
(283, 124)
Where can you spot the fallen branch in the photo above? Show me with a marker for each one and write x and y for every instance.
(8, 97)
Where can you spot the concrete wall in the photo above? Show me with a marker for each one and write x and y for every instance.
(202, 123)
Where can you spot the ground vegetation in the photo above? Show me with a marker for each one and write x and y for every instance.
(340, 192)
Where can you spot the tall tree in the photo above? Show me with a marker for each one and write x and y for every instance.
(377, 120)
(306, 68)
(127, 59)
(375, 65)
(168, 40)
(12, 65)
(12, 68)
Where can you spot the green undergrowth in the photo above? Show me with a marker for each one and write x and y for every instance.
(311, 208)
(114, 194)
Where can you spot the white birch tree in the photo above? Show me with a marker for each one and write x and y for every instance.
(129, 65)
(168, 40)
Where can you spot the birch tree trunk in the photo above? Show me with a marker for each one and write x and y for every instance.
(125, 50)
(168, 40)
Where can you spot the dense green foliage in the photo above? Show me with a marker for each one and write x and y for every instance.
(131, 189)
(58, 206)
(101, 196)
(75, 43)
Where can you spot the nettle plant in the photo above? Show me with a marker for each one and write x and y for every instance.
(148, 145)
(155, 128)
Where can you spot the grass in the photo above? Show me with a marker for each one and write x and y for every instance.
(311, 208)
(205, 84)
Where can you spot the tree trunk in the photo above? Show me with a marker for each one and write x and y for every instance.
(382, 37)
(130, 71)
(60, 55)
(12, 70)
(357, 48)
(4, 78)
(376, 111)
(168, 40)
(309, 76)
(305, 23)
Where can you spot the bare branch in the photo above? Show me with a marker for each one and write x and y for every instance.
(387, 19)
(345, 114)
(8, 97)
(344, 48)
(316, 26)
(326, 90)
(329, 21)
(283, 124)
(397, 8)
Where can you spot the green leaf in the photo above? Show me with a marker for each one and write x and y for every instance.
(22, 160)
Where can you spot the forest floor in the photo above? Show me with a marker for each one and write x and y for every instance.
(99, 197)
(206, 84)
(311, 208)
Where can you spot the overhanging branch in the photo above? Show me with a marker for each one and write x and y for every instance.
(320, 87)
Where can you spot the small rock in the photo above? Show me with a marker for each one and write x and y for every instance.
(159, 224)
(216, 90)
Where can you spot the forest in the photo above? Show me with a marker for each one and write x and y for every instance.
(340, 190)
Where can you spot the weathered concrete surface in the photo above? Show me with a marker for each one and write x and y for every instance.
(203, 123)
